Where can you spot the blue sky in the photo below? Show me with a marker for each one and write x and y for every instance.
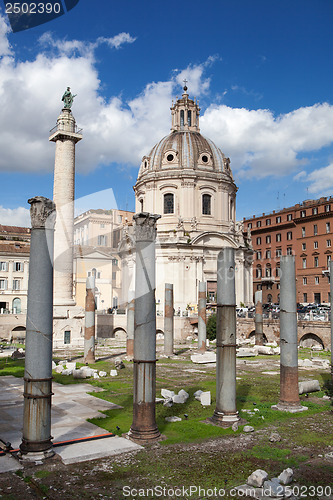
(262, 71)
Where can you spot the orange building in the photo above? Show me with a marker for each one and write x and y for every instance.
(304, 230)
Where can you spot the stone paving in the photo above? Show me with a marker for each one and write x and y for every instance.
(71, 407)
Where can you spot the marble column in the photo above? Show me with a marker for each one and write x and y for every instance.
(202, 300)
(89, 330)
(65, 137)
(226, 412)
(36, 441)
(144, 429)
(168, 319)
(258, 319)
(130, 324)
(289, 395)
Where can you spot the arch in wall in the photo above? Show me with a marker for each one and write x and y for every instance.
(119, 333)
(18, 333)
(310, 340)
(252, 335)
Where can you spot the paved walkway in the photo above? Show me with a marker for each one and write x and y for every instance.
(71, 407)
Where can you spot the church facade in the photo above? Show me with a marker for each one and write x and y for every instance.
(188, 181)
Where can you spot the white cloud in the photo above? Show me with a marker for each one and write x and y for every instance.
(260, 144)
(320, 181)
(194, 75)
(117, 41)
(83, 48)
(300, 176)
(19, 217)
(5, 49)
(113, 130)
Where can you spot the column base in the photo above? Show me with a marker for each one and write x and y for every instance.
(291, 407)
(224, 419)
(34, 456)
(202, 348)
(144, 437)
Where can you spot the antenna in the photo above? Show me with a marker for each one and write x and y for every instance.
(278, 200)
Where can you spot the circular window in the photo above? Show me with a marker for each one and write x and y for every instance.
(170, 157)
(204, 158)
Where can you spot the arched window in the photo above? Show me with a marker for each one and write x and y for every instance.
(231, 210)
(168, 203)
(182, 118)
(189, 118)
(206, 204)
(258, 272)
(16, 306)
(141, 204)
(269, 298)
(268, 271)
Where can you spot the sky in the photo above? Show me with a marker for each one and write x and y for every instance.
(261, 70)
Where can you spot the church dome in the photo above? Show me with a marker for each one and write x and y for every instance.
(185, 148)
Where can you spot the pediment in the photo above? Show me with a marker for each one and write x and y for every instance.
(214, 239)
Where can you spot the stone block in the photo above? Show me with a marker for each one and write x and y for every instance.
(234, 426)
(54, 365)
(167, 394)
(308, 386)
(275, 437)
(67, 372)
(286, 476)
(59, 369)
(102, 374)
(168, 403)
(119, 365)
(113, 373)
(184, 394)
(273, 487)
(207, 357)
(265, 350)
(205, 398)
(248, 428)
(71, 366)
(96, 375)
(257, 478)
(244, 352)
(172, 419)
(79, 373)
(305, 362)
(197, 394)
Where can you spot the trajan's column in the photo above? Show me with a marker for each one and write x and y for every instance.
(65, 135)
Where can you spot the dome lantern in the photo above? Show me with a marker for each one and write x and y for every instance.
(185, 114)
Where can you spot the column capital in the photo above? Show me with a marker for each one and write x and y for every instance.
(42, 213)
(145, 226)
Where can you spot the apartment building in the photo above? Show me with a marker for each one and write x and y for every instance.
(304, 230)
(14, 268)
(97, 234)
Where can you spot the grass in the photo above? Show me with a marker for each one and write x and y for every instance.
(9, 366)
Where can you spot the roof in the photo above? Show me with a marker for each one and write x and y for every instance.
(15, 230)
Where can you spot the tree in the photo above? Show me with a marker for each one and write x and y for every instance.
(211, 327)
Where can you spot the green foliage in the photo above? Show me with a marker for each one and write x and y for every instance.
(211, 327)
(328, 389)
